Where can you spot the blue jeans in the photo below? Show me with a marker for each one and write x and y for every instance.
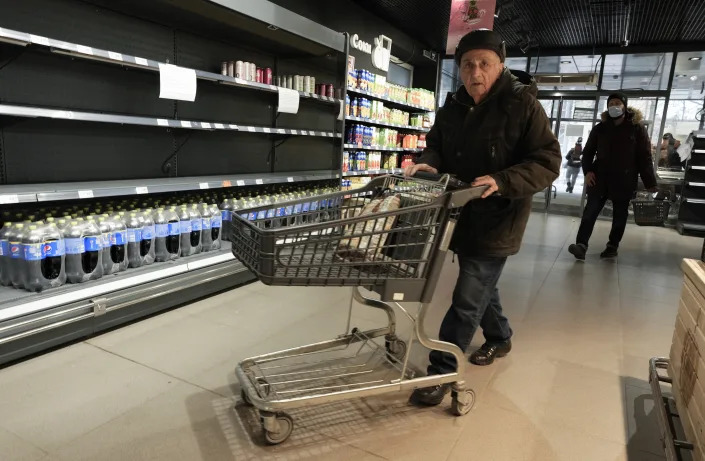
(475, 303)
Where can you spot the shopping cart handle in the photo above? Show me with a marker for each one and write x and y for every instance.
(453, 182)
(460, 197)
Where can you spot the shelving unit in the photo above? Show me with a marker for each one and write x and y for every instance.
(82, 190)
(373, 172)
(691, 213)
(81, 119)
(41, 112)
(111, 57)
(387, 125)
(400, 104)
(382, 149)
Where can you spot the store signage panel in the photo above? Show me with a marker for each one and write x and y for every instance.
(374, 55)
(468, 15)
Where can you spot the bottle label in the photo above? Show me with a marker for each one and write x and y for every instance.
(174, 228)
(4, 248)
(16, 250)
(75, 246)
(148, 233)
(271, 213)
(186, 227)
(281, 212)
(262, 214)
(117, 238)
(206, 223)
(244, 216)
(314, 206)
(134, 235)
(289, 210)
(162, 230)
(106, 240)
(32, 251)
(306, 207)
(92, 243)
(216, 221)
(226, 215)
(297, 208)
(54, 248)
(196, 225)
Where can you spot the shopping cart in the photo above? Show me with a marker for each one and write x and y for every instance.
(339, 239)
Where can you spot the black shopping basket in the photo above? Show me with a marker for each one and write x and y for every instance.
(650, 212)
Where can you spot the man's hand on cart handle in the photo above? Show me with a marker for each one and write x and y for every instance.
(486, 181)
(411, 170)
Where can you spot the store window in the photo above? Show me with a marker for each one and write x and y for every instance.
(516, 63)
(555, 65)
(449, 81)
(645, 71)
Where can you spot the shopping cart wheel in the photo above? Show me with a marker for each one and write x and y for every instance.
(396, 348)
(277, 427)
(462, 403)
(245, 398)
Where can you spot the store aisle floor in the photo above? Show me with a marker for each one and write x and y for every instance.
(574, 388)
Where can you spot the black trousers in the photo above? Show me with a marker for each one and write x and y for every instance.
(592, 211)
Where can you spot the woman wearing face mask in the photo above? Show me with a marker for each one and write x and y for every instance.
(617, 151)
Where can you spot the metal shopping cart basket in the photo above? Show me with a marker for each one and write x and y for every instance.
(389, 237)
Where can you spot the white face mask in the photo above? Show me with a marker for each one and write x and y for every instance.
(615, 111)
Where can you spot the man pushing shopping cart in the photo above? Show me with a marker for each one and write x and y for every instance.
(392, 236)
(492, 132)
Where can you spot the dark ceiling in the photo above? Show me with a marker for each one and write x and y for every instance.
(561, 25)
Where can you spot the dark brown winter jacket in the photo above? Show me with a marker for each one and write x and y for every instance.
(507, 136)
(618, 154)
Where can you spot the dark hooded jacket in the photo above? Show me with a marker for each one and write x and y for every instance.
(618, 154)
(507, 136)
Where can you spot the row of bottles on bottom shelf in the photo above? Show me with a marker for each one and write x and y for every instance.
(48, 253)
(48, 247)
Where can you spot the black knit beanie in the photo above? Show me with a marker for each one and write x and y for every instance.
(621, 96)
(481, 39)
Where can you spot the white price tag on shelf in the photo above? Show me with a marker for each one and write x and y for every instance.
(39, 40)
(288, 101)
(289, 179)
(232, 127)
(178, 83)
(341, 114)
(185, 124)
(84, 49)
(162, 122)
(204, 185)
(219, 126)
(206, 126)
(259, 182)
(9, 198)
(85, 194)
(240, 182)
(142, 190)
(115, 56)
(251, 129)
(141, 61)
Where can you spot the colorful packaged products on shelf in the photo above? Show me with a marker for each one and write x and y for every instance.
(365, 80)
(406, 161)
(247, 71)
(375, 110)
(364, 161)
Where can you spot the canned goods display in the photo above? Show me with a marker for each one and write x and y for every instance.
(268, 75)
(239, 69)
(230, 69)
(224, 68)
(259, 75)
(253, 71)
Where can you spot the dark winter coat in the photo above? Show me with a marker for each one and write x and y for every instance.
(507, 136)
(618, 154)
(574, 158)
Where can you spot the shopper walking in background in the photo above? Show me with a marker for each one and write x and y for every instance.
(493, 133)
(574, 164)
(618, 150)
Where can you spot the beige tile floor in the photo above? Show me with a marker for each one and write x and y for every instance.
(574, 388)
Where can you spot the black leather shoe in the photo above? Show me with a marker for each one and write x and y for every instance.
(432, 395)
(578, 250)
(486, 354)
(610, 252)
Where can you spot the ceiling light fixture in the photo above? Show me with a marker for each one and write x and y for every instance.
(694, 77)
(695, 58)
(681, 75)
(566, 62)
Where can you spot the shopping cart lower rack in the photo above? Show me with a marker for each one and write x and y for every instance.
(389, 237)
